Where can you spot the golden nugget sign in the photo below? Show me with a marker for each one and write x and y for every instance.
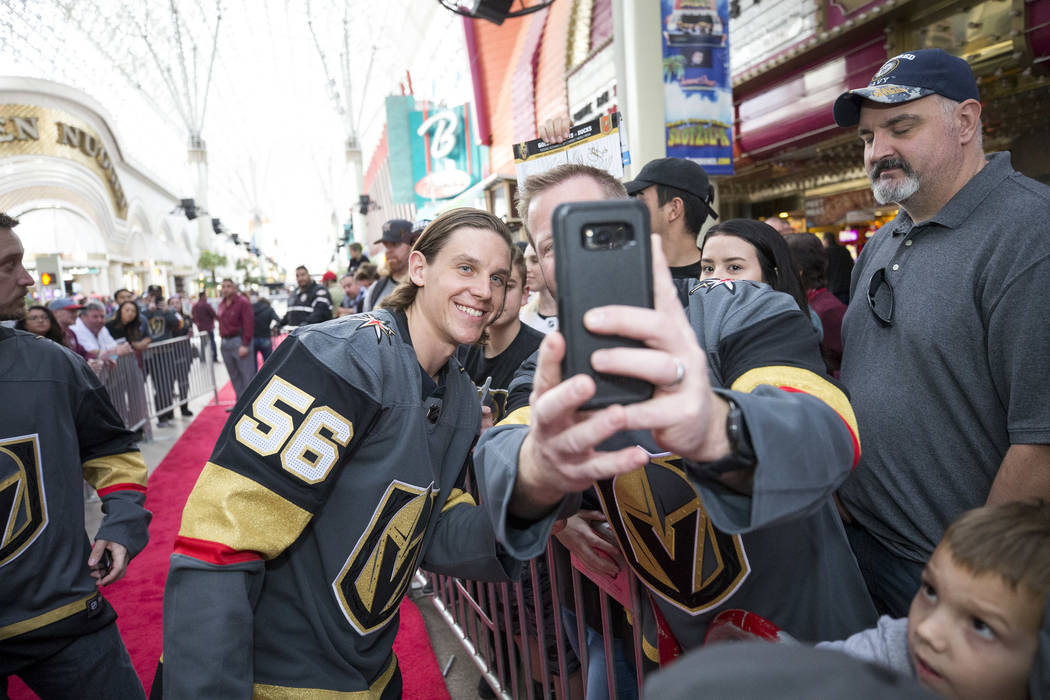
(31, 130)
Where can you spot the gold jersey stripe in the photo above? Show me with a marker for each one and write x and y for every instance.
(280, 692)
(17, 628)
(519, 416)
(651, 652)
(802, 380)
(125, 468)
(458, 497)
(244, 515)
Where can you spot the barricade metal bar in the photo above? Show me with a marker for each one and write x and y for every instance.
(541, 627)
(474, 604)
(607, 641)
(636, 631)
(469, 646)
(581, 631)
(526, 651)
(508, 638)
(559, 639)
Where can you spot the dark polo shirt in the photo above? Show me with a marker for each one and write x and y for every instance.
(963, 372)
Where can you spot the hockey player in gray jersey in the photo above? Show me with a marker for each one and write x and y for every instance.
(338, 473)
(719, 489)
(58, 428)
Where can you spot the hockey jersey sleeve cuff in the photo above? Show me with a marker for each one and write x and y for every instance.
(126, 520)
(496, 466)
(793, 477)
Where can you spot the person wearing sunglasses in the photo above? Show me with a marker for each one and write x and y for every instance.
(946, 335)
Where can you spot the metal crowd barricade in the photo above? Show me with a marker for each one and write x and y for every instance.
(126, 387)
(508, 641)
(178, 370)
(167, 374)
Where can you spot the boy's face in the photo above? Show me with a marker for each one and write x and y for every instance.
(972, 637)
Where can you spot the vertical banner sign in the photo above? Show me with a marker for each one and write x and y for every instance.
(445, 159)
(698, 95)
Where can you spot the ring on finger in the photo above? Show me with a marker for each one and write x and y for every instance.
(679, 374)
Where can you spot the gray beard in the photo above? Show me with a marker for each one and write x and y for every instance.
(895, 192)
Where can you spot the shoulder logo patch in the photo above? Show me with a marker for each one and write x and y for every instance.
(23, 504)
(379, 326)
(709, 284)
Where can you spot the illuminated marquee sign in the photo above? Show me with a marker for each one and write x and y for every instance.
(32, 130)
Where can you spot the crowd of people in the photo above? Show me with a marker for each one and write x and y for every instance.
(868, 476)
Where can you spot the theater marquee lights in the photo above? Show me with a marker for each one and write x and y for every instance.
(43, 131)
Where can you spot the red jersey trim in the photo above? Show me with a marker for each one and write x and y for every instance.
(121, 487)
(212, 552)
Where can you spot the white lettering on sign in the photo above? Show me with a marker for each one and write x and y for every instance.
(445, 126)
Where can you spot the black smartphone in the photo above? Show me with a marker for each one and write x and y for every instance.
(105, 563)
(602, 256)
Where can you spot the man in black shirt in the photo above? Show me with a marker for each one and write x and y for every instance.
(264, 317)
(678, 195)
(309, 303)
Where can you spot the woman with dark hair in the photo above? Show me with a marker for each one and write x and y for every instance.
(127, 324)
(744, 249)
(40, 321)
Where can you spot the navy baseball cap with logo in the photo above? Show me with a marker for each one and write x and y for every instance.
(908, 77)
(397, 231)
(680, 173)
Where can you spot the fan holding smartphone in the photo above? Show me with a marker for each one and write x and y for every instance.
(705, 480)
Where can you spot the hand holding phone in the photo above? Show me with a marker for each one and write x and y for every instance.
(561, 453)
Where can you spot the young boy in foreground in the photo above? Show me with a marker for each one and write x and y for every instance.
(973, 630)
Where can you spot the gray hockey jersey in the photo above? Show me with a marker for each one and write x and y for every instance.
(58, 428)
(338, 473)
(700, 548)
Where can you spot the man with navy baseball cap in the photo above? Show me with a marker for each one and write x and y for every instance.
(908, 77)
(944, 318)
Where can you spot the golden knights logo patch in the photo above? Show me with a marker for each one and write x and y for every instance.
(377, 573)
(671, 543)
(23, 507)
(380, 327)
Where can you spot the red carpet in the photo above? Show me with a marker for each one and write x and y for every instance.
(138, 597)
